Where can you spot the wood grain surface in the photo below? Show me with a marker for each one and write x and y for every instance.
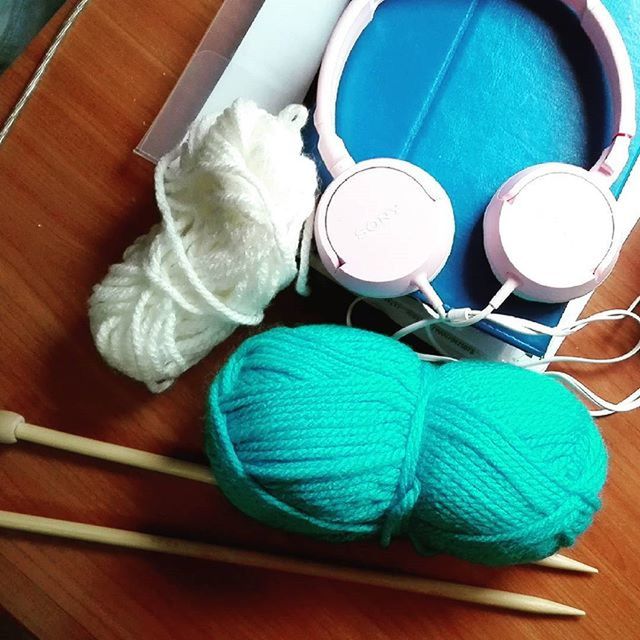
(73, 197)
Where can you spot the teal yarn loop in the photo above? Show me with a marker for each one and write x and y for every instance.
(346, 435)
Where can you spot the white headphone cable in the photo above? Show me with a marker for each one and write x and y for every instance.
(459, 318)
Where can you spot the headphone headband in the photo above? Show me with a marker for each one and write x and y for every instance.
(597, 23)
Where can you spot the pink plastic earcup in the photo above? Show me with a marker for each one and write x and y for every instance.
(551, 229)
(383, 226)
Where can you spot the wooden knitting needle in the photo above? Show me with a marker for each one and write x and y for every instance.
(13, 428)
(562, 563)
(228, 555)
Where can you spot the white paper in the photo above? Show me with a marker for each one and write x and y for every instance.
(279, 56)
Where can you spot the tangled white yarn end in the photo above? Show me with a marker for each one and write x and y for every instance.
(234, 197)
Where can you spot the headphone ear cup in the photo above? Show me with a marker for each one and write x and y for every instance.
(551, 229)
(383, 226)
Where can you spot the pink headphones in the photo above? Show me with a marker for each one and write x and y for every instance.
(385, 228)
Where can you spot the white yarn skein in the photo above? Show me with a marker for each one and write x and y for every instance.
(234, 197)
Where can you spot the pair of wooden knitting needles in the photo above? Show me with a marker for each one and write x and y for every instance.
(13, 429)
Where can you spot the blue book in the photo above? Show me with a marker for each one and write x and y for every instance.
(473, 91)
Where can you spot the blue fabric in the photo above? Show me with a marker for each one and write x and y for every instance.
(474, 91)
(20, 21)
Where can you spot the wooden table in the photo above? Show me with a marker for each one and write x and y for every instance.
(73, 197)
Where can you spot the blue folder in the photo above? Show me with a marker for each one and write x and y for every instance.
(473, 91)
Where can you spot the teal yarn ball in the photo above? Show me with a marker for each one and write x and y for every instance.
(346, 435)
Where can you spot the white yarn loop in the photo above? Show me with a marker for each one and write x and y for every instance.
(233, 197)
